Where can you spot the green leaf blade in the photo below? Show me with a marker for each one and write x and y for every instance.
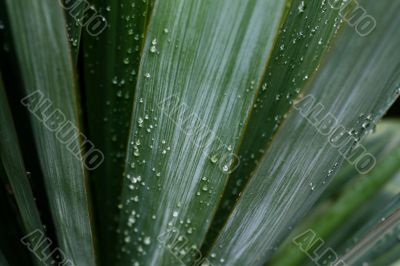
(74, 11)
(3, 261)
(373, 244)
(111, 63)
(291, 177)
(328, 222)
(306, 35)
(190, 97)
(46, 67)
(13, 164)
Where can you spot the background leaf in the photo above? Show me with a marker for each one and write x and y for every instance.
(382, 236)
(300, 162)
(3, 260)
(14, 167)
(45, 64)
(111, 62)
(384, 139)
(10, 230)
(332, 217)
(303, 39)
(74, 16)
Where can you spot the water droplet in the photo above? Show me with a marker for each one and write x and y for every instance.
(153, 49)
(147, 241)
(366, 124)
(301, 7)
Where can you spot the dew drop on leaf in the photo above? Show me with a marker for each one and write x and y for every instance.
(301, 7)
(147, 240)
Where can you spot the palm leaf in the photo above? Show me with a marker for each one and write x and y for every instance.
(384, 139)
(11, 158)
(3, 261)
(301, 161)
(221, 124)
(10, 230)
(302, 41)
(74, 11)
(384, 248)
(46, 69)
(380, 239)
(111, 64)
(211, 55)
(327, 221)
